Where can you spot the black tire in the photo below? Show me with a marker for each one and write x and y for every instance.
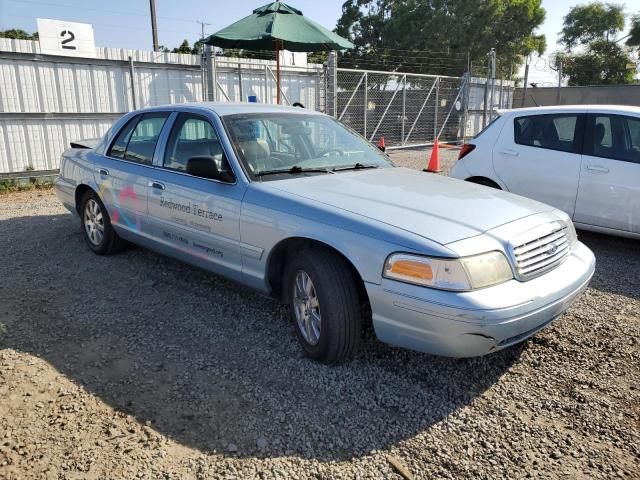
(339, 304)
(109, 242)
(484, 181)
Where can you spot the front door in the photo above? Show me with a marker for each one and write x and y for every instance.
(609, 192)
(538, 156)
(122, 174)
(196, 219)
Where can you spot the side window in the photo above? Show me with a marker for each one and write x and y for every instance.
(192, 136)
(554, 132)
(616, 137)
(136, 142)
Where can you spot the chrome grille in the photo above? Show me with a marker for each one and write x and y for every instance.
(544, 251)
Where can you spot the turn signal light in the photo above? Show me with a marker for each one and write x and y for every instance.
(413, 269)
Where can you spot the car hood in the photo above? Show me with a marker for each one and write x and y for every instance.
(432, 206)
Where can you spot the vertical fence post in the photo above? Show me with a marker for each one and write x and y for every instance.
(132, 78)
(240, 81)
(210, 68)
(493, 82)
(404, 106)
(486, 92)
(366, 103)
(466, 79)
(203, 75)
(332, 80)
(435, 110)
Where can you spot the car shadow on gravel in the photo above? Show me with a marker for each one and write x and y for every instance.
(208, 363)
(617, 263)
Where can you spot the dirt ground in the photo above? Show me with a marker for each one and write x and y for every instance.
(137, 366)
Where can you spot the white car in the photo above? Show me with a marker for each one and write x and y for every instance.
(584, 160)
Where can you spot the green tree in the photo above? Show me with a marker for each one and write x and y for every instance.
(183, 48)
(586, 23)
(600, 58)
(634, 32)
(601, 63)
(18, 34)
(439, 36)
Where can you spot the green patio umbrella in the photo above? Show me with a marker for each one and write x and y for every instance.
(281, 27)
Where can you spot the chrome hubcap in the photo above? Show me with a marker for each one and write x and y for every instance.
(93, 222)
(306, 308)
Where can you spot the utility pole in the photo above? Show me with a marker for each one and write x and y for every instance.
(154, 25)
(202, 25)
(493, 82)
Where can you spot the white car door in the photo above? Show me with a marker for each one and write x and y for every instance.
(609, 191)
(538, 156)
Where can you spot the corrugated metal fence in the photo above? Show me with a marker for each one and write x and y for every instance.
(48, 101)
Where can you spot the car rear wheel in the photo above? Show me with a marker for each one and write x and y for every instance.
(484, 181)
(323, 295)
(97, 231)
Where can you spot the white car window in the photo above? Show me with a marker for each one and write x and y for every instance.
(616, 137)
(554, 131)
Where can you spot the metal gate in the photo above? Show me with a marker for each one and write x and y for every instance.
(407, 109)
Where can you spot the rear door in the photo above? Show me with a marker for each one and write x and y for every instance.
(538, 156)
(196, 219)
(122, 173)
(609, 192)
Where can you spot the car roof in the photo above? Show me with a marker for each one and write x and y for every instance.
(574, 108)
(230, 108)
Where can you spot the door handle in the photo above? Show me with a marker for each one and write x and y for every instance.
(510, 152)
(156, 185)
(597, 169)
(103, 171)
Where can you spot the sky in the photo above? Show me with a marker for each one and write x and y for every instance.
(125, 23)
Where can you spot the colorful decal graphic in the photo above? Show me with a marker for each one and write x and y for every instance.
(128, 199)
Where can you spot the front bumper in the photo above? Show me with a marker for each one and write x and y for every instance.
(468, 324)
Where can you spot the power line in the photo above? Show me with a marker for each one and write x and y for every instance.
(102, 10)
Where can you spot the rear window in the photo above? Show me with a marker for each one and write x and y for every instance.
(553, 132)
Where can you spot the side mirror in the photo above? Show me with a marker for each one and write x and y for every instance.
(205, 166)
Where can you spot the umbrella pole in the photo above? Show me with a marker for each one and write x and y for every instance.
(278, 70)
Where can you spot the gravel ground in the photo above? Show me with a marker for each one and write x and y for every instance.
(136, 366)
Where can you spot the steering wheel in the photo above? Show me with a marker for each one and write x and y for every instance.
(339, 151)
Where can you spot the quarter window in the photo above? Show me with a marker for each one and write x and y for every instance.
(137, 141)
(554, 132)
(616, 137)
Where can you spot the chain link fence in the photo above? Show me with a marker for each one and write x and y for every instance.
(407, 109)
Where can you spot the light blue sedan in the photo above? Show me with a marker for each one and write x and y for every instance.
(295, 205)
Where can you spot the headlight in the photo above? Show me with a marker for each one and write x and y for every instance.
(466, 273)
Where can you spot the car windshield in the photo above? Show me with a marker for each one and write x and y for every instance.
(277, 145)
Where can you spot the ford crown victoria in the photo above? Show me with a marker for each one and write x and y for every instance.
(295, 205)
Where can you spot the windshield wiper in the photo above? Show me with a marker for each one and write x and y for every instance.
(293, 171)
(357, 166)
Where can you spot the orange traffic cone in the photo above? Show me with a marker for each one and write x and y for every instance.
(381, 145)
(434, 161)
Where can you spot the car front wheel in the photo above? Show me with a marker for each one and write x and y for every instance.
(325, 307)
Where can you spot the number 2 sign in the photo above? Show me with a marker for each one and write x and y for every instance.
(68, 38)
(71, 39)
